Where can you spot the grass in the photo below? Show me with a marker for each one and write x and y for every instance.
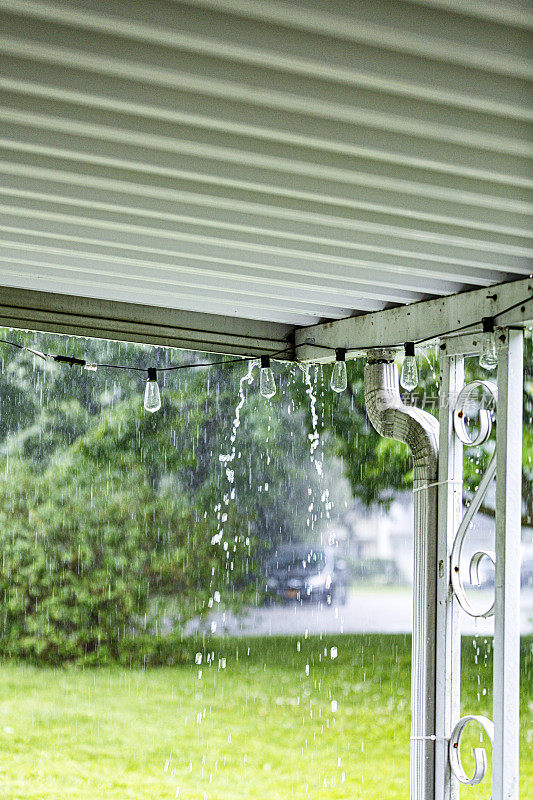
(258, 726)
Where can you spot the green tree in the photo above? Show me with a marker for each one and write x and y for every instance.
(376, 467)
(87, 542)
(109, 519)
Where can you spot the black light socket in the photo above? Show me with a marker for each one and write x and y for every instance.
(488, 324)
(152, 374)
(409, 348)
(70, 360)
(265, 362)
(340, 354)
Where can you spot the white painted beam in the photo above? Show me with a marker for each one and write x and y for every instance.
(134, 322)
(430, 318)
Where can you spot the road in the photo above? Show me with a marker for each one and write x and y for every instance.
(376, 610)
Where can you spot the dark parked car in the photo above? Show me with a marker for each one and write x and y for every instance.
(307, 573)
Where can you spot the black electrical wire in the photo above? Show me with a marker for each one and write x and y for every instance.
(75, 361)
(215, 363)
(14, 344)
(81, 362)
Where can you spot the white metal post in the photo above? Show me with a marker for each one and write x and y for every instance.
(507, 577)
(506, 464)
(448, 639)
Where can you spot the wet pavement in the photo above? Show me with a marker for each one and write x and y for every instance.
(373, 610)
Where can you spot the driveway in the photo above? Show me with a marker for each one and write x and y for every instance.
(376, 610)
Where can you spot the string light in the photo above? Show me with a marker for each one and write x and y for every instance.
(409, 374)
(339, 379)
(488, 358)
(267, 384)
(152, 395)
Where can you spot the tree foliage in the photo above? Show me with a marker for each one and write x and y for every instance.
(376, 467)
(112, 518)
(89, 541)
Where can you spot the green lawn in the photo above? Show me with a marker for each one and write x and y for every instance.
(259, 727)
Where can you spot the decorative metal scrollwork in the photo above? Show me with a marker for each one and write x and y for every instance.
(474, 400)
(457, 582)
(463, 408)
(480, 754)
(463, 411)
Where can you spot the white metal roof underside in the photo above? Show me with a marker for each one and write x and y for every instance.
(276, 160)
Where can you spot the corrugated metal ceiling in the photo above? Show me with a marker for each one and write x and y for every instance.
(265, 159)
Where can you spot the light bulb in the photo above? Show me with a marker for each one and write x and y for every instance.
(409, 374)
(267, 384)
(339, 379)
(152, 396)
(90, 367)
(488, 358)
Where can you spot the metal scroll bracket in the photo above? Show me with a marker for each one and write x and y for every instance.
(480, 754)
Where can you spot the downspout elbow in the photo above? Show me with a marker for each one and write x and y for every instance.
(394, 420)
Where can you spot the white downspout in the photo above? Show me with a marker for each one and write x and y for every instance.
(420, 430)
